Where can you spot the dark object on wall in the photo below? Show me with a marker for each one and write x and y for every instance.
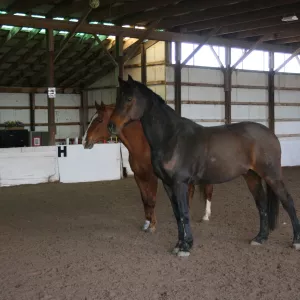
(38, 138)
(14, 138)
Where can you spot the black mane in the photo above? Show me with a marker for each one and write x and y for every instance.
(149, 93)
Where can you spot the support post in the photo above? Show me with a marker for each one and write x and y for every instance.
(143, 64)
(227, 85)
(32, 111)
(120, 60)
(295, 53)
(119, 55)
(271, 88)
(50, 83)
(178, 77)
(84, 112)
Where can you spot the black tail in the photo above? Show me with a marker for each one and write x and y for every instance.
(273, 208)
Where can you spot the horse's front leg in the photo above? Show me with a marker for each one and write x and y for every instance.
(178, 194)
(208, 191)
(148, 190)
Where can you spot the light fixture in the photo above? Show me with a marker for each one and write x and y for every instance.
(289, 18)
(94, 3)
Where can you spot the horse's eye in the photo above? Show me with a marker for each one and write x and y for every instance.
(129, 99)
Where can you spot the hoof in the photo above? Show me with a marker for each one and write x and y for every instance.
(296, 246)
(146, 225)
(183, 253)
(205, 218)
(175, 251)
(151, 229)
(255, 243)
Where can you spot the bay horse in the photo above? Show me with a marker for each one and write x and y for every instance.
(132, 136)
(183, 153)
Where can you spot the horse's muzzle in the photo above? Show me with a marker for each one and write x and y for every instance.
(88, 145)
(112, 127)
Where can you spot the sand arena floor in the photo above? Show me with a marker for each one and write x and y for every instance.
(84, 241)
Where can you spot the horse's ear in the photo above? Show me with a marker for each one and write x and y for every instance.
(99, 106)
(122, 82)
(130, 80)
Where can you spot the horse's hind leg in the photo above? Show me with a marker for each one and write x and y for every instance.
(148, 190)
(280, 191)
(191, 194)
(255, 186)
(208, 191)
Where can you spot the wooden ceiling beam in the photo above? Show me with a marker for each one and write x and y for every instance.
(183, 7)
(73, 31)
(207, 37)
(247, 53)
(118, 11)
(68, 8)
(69, 62)
(275, 30)
(111, 58)
(224, 11)
(23, 59)
(295, 53)
(276, 11)
(5, 58)
(289, 40)
(91, 59)
(23, 74)
(266, 23)
(137, 44)
(96, 76)
(87, 71)
(134, 33)
(24, 6)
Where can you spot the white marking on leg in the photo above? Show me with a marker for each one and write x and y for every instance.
(85, 134)
(146, 225)
(207, 210)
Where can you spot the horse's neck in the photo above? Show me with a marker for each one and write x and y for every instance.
(158, 124)
(133, 138)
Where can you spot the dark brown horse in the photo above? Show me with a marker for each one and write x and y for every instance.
(139, 159)
(183, 152)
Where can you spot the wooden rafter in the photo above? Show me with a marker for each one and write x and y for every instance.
(137, 44)
(105, 50)
(135, 33)
(23, 59)
(248, 52)
(127, 8)
(71, 74)
(244, 27)
(92, 78)
(295, 53)
(276, 30)
(23, 75)
(81, 76)
(73, 31)
(67, 8)
(252, 16)
(24, 6)
(69, 62)
(222, 11)
(207, 37)
(17, 47)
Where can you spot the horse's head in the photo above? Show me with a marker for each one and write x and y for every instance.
(97, 129)
(131, 105)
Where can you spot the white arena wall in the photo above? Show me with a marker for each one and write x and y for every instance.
(202, 101)
(15, 106)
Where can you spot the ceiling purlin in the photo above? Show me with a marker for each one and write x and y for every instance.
(254, 16)
(22, 6)
(219, 12)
